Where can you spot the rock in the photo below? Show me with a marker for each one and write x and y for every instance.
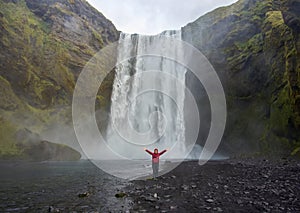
(155, 195)
(255, 193)
(173, 207)
(47, 151)
(219, 209)
(150, 199)
(120, 195)
(37, 88)
(185, 187)
(52, 209)
(246, 70)
(209, 200)
(85, 194)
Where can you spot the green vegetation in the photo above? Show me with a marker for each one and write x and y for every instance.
(43, 53)
(8, 147)
(256, 54)
(253, 45)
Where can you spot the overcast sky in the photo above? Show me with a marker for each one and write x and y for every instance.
(154, 16)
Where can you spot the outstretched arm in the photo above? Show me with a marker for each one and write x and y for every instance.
(162, 152)
(148, 151)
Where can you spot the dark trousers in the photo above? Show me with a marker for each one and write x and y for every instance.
(155, 167)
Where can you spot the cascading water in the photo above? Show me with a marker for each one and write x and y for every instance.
(151, 106)
(142, 118)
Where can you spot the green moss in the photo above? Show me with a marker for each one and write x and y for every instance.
(30, 35)
(8, 99)
(98, 37)
(281, 112)
(62, 10)
(8, 148)
(275, 18)
(296, 150)
(242, 51)
(262, 7)
(40, 69)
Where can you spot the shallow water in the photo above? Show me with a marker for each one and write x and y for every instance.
(34, 186)
(136, 169)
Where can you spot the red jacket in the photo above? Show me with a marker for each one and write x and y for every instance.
(155, 157)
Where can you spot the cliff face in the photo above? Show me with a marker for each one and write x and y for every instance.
(254, 46)
(44, 45)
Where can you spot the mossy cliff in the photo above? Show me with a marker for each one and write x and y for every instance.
(254, 45)
(44, 45)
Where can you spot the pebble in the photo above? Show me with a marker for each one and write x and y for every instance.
(185, 187)
(210, 200)
(85, 194)
(264, 188)
(173, 207)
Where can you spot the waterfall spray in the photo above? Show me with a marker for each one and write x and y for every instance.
(135, 111)
(149, 99)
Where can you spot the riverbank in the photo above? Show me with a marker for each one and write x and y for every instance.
(76, 186)
(218, 186)
(221, 186)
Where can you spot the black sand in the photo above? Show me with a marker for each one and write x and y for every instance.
(226, 186)
(221, 186)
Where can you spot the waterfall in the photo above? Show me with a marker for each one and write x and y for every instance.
(148, 119)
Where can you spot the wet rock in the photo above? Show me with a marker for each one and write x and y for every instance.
(52, 209)
(265, 176)
(242, 186)
(120, 195)
(185, 187)
(150, 199)
(85, 194)
(173, 207)
(219, 209)
(209, 200)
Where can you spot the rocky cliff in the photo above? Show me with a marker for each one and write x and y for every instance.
(44, 45)
(254, 45)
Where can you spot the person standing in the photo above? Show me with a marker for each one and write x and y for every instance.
(155, 160)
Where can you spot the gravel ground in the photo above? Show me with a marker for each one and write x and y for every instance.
(218, 186)
(223, 186)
